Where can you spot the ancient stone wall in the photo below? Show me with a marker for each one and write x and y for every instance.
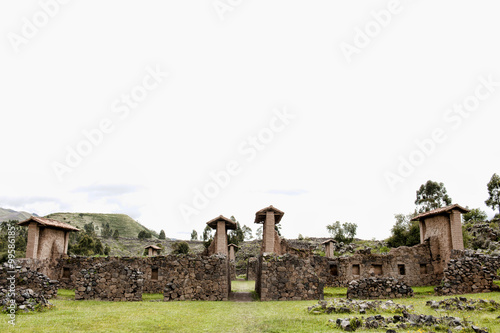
(197, 278)
(252, 267)
(26, 278)
(415, 266)
(378, 287)
(157, 271)
(287, 277)
(469, 274)
(109, 281)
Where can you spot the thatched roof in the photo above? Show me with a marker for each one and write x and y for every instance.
(154, 247)
(260, 216)
(230, 224)
(440, 211)
(48, 223)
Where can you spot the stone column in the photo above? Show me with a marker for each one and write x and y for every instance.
(32, 246)
(150, 252)
(268, 232)
(457, 240)
(221, 238)
(231, 252)
(421, 223)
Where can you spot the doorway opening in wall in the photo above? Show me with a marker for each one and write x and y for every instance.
(401, 269)
(423, 269)
(66, 273)
(154, 274)
(355, 269)
(334, 270)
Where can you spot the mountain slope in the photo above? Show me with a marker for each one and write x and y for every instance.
(127, 227)
(10, 214)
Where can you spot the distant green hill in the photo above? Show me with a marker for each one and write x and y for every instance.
(126, 226)
(9, 214)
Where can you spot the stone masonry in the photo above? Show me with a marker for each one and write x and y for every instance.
(111, 281)
(378, 287)
(282, 278)
(219, 243)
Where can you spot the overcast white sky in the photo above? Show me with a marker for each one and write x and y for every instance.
(310, 106)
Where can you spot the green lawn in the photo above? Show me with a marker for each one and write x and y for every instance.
(99, 316)
(242, 286)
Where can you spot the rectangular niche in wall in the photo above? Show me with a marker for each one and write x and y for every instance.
(377, 269)
(423, 269)
(355, 269)
(66, 273)
(401, 269)
(334, 270)
(154, 274)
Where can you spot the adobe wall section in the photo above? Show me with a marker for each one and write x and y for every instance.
(110, 281)
(287, 277)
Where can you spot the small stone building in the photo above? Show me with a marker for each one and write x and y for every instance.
(446, 225)
(221, 225)
(232, 250)
(329, 248)
(269, 217)
(153, 250)
(47, 238)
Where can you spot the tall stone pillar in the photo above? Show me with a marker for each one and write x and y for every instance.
(457, 238)
(232, 250)
(269, 217)
(221, 226)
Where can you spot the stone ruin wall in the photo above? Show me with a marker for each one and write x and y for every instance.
(109, 281)
(468, 272)
(415, 266)
(283, 278)
(157, 271)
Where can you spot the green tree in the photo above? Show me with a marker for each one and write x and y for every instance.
(116, 234)
(404, 232)
(247, 232)
(107, 250)
(162, 234)
(207, 237)
(475, 215)
(21, 239)
(431, 195)
(180, 248)
(89, 228)
(494, 192)
(143, 234)
(235, 236)
(194, 235)
(258, 232)
(344, 232)
(106, 231)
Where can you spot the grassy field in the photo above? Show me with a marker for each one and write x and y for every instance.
(153, 316)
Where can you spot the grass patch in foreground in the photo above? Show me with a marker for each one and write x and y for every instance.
(198, 316)
(66, 294)
(331, 292)
(152, 297)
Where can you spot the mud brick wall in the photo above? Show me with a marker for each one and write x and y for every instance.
(197, 278)
(373, 288)
(109, 281)
(468, 275)
(25, 278)
(287, 277)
